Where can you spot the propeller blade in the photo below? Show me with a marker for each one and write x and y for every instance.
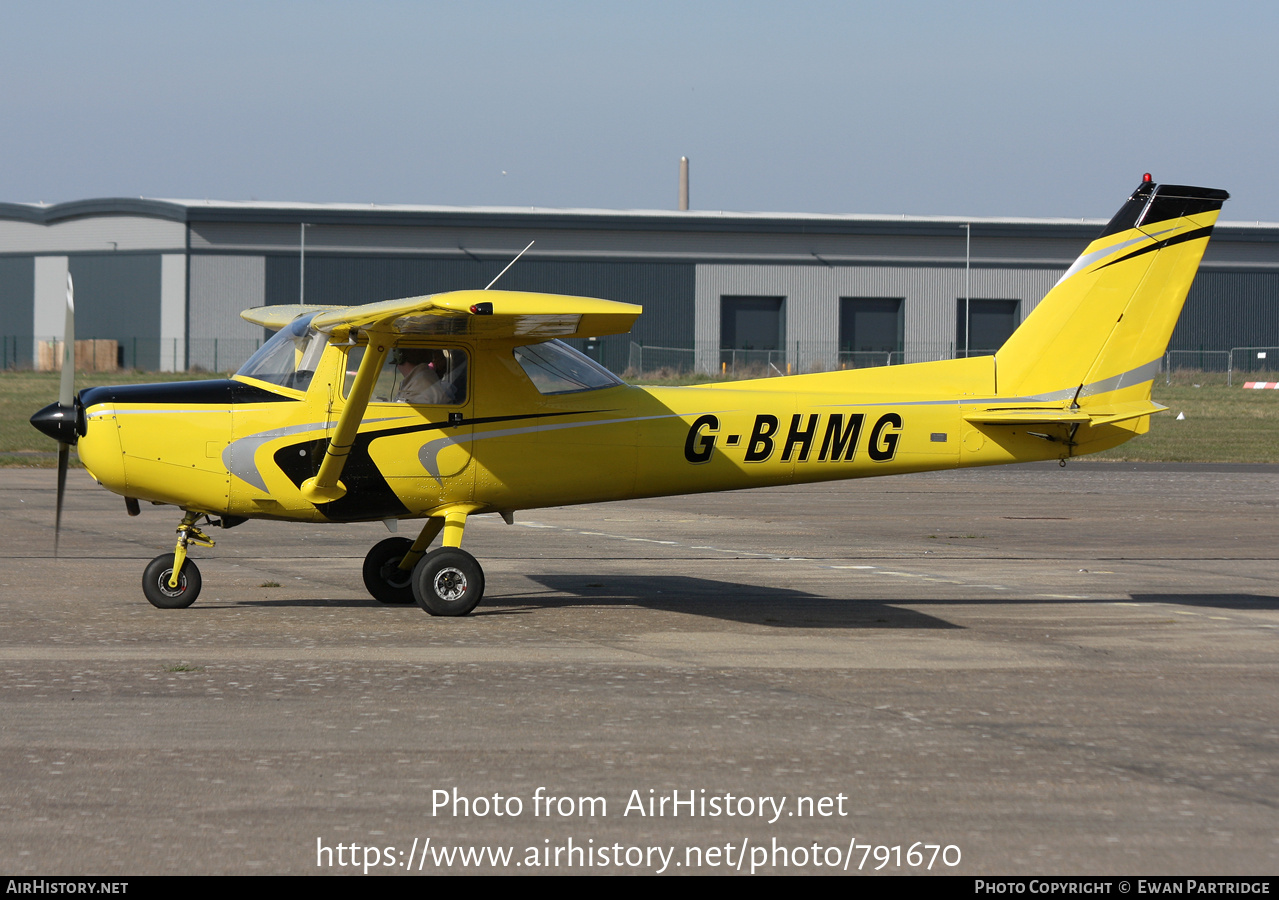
(66, 400)
(66, 391)
(64, 454)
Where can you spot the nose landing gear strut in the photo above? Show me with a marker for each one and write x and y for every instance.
(171, 581)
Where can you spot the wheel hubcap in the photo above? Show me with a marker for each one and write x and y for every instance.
(172, 591)
(450, 584)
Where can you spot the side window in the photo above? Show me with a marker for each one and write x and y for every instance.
(556, 368)
(427, 376)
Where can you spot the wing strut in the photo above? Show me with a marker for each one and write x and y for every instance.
(325, 486)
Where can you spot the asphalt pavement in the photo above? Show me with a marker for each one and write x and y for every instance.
(1026, 670)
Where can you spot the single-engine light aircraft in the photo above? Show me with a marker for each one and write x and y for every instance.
(450, 405)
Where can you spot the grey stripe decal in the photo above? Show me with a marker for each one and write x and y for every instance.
(222, 411)
(1127, 379)
(1089, 258)
(238, 457)
(1142, 373)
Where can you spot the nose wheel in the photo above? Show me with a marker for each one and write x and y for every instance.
(158, 590)
(161, 586)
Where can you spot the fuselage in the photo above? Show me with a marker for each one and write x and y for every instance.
(244, 446)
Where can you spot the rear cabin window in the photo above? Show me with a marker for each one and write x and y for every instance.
(556, 368)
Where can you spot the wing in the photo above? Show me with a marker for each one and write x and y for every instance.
(474, 314)
(477, 315)
(276, 317)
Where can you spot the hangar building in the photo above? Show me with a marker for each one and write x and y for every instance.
(166, 279)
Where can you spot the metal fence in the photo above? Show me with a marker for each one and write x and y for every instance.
(219, 354)
(1247, 363)
(215, 355)
(131, 354)
(798, 358)
(1197, 366)
(1238, 364)
(661, 361)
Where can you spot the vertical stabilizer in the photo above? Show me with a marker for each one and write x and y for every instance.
(1105, 325)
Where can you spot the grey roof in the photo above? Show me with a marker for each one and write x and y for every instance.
(188, 211)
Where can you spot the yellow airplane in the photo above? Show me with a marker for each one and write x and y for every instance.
(451, 405)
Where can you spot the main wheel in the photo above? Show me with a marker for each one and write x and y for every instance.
(384, 578)
(448, 582)
(155, 583)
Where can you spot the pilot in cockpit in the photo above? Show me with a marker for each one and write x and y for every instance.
(422, 371)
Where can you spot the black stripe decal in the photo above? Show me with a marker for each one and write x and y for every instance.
(485, 420)
(1150, 248)
(368, 495)
(218, 392)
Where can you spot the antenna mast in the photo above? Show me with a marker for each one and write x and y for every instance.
(509, 264)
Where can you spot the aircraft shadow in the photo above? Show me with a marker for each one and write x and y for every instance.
(1213, 601)
(731, 601)
(1256, 602)
(753, 604)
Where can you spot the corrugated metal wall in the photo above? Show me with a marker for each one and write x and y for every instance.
(1229, 309)
(665, 290)
(812, 303)
(939, 243)
(17, 311)
(118, 298)
(115, 234)
(130, 274)
(220, 287)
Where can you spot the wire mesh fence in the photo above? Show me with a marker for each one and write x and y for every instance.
(130, 354)
(1197, 367)
(1253, 364)
(1230, 367)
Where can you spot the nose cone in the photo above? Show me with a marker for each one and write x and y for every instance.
(58, 422)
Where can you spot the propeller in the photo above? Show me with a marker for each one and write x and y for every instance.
(60, 420)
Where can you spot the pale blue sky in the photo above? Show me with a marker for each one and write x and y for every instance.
(972, 108)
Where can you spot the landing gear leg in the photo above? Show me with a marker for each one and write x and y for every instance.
(388, 569)
(171, 581)
(448, 581)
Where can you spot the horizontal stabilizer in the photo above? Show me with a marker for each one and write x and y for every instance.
(1093, 415)
(1024, 416)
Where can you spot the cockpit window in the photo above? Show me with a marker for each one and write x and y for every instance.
(289, 358)
(556, 368)
(432, 376)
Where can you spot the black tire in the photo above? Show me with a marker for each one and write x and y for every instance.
(155, 583)
(448, 582)
(382, 575)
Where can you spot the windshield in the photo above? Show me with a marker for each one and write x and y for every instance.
(289, 358)
(556, 368)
